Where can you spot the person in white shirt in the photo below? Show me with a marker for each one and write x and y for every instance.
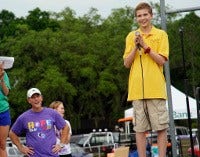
(66, 150)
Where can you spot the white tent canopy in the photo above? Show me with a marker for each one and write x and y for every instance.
(179, 106)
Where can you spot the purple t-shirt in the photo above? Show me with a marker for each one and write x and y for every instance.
(39, 130)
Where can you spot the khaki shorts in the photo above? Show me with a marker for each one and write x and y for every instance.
(150, 114)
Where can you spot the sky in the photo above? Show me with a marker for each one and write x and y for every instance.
(21, 7)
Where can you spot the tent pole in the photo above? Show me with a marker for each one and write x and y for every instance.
(186, 92)
(198, 112)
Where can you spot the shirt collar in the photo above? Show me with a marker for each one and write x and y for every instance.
(153, 31)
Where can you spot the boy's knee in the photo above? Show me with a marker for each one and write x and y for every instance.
(2, 145)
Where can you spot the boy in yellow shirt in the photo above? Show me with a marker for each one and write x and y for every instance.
(146, 51)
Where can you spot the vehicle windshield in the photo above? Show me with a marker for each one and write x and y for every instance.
(82, 140)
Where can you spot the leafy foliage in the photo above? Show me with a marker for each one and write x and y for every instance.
(186, 52)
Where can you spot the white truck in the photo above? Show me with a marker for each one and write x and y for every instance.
(101, 141)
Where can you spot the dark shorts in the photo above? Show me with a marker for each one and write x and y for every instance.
(5, 118)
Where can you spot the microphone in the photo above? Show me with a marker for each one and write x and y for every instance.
(137, 33)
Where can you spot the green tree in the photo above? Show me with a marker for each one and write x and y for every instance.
(39, 20)
(7, 23)
(190, 27)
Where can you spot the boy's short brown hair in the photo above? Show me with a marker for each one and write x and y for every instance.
(143, 5)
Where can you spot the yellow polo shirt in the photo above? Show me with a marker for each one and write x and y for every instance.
(152, 83)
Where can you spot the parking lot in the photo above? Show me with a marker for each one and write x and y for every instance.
(99, 144)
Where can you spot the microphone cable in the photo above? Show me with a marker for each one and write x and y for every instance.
(143, 99)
